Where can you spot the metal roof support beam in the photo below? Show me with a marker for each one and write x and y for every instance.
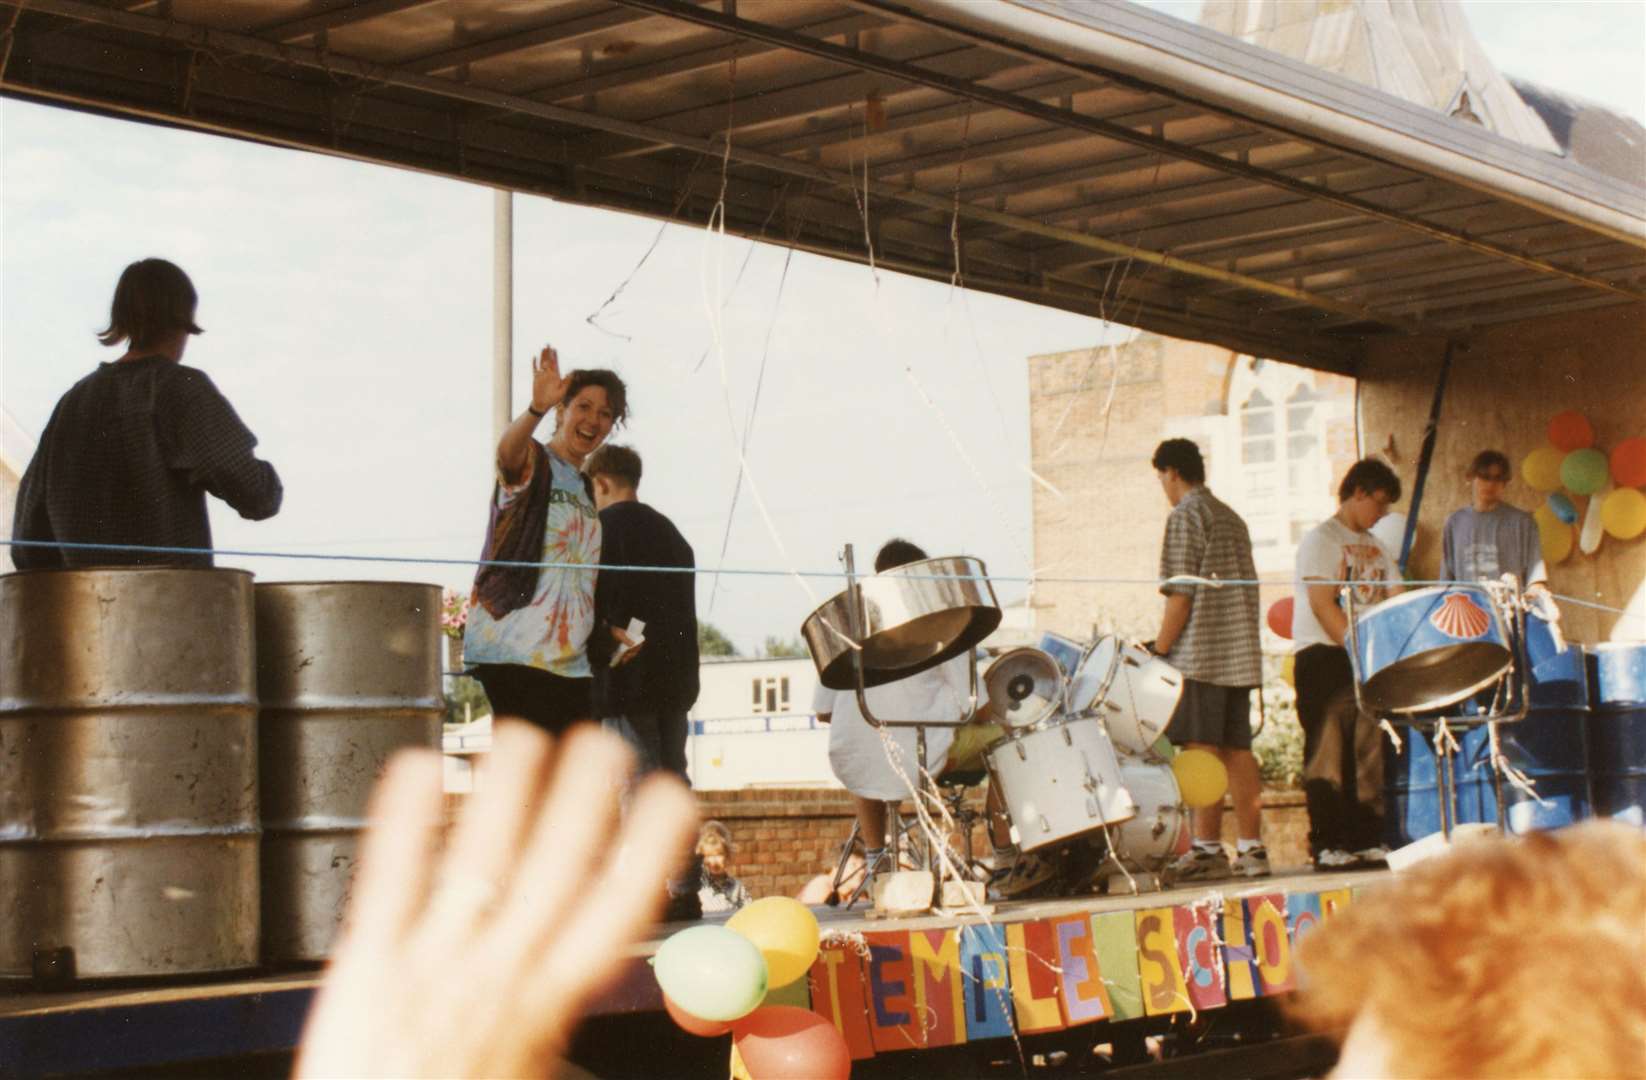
(559, 32)
(221, 41)
(332, 15)
(1002, 100)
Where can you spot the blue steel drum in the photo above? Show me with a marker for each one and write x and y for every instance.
(1411, 784)
(1550, 747)
(1617, 674)
(1476, 797)
(1430, 648)
(1617, 763)
(1556, 672)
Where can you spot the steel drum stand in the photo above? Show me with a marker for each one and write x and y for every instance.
(1507, 599)
(856, 620)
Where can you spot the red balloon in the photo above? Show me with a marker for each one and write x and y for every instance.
(1629, 463)
(1280, 616)
(785, 1042)
(1570, 431)
(696, 1025)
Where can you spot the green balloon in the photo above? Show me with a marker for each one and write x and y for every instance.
(712, 972)
(1584, 472)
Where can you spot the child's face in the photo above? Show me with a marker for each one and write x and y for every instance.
(714, 860)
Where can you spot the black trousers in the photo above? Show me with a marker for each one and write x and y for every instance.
(552, 702)
(1342, 754)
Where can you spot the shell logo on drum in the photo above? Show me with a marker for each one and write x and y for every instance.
(1460, 617)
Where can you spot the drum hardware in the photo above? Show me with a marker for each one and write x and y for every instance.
(1509, 683)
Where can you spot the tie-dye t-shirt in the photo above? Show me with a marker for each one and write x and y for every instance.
(552, 632)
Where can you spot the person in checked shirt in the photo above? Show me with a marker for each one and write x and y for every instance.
(133, 449)
(1210, 634)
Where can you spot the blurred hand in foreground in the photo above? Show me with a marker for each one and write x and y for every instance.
(478, 960)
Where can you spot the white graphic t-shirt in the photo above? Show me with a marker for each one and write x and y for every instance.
(1331, 551)
(552, 632)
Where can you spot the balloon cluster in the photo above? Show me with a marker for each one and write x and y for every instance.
(1610, 483)
(715, 979)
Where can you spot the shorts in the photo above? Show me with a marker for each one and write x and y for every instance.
(1213, 715)
(552, 702)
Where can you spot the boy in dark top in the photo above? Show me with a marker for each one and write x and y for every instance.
(132, 450)
(652, 687)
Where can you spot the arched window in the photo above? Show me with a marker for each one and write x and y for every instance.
(1257, 430)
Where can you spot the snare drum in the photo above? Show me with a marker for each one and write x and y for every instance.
(1057, 781)
(1430, 648)
(1142, 695)
(1160, 831)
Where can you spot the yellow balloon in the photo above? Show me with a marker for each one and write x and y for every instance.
(1201, 777)
(786, 933)
(1624, 513)
(1541, 469)
(1288, 670)
(1554, 535)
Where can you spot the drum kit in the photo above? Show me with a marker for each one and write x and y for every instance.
(1080, 771)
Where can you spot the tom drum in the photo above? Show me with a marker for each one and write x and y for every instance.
(1058, 781)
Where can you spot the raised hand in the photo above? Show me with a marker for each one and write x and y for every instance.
(548, 385)
(529, 910)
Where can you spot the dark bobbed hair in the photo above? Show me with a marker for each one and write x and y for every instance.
(620, 463)
(1371, 476)
(897, 552)
(153, 300)
(617, 395)
(1490, 459)
(1182, 455)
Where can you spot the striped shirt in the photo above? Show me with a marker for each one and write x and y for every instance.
(1207, 539)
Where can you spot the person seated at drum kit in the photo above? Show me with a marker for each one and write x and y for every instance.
(858, 752)
(1342, 755)
(1210, 634)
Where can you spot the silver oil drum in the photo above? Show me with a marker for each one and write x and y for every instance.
(347, 672)
(128, 774)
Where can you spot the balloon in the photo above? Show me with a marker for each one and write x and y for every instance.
(1288, 670)
(786, 933)
(1553, 535)
(1280, 617)
(1584, 472)
(712, 973)
(1390, 531)
(1541, 469)
(786, 1042)
(1629, 463)
(1201, 777)
(1570, 430)
(1624, 513)
(696, 1025)
(1561, 506)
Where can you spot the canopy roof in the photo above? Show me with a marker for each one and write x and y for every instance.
(1094, 157)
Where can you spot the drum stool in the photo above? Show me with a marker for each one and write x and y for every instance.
(952, 787)
(898, 829)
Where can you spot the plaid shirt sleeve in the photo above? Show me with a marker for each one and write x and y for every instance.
(1182, 551)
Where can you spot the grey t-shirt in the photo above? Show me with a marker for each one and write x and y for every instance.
(1502, 540)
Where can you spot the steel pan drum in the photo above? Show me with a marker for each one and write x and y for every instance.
(348, 673)
(1430, 648)
(1058, 781)
(128, 774)
(916, 616)
(1617, 675)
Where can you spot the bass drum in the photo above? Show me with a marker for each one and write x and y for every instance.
(1058, 781)
(1142, 697)
(1160, 831)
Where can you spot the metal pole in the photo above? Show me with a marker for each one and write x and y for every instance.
(502, 311)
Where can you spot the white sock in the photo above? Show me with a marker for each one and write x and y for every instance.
(1246, 845)
(1209, 845)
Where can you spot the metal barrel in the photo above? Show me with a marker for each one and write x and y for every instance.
(348, 672)
(128, 774)
(1550, 747)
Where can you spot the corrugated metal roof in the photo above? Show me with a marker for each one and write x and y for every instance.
(1102, 159)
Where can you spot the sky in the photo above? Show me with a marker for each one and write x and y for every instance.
(348, 317)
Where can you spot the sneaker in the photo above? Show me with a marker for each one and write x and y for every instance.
(1198, 864)
(1253, 862)
(1335, 859)
(1022, 874)
(1375, 857)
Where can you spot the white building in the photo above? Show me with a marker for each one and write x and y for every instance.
(753, 726)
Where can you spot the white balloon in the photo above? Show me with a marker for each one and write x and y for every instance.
(1390, 532)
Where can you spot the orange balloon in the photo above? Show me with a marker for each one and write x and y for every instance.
(1629, 463)
(786, 1042)
(1571, 430)
(694, 1024)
